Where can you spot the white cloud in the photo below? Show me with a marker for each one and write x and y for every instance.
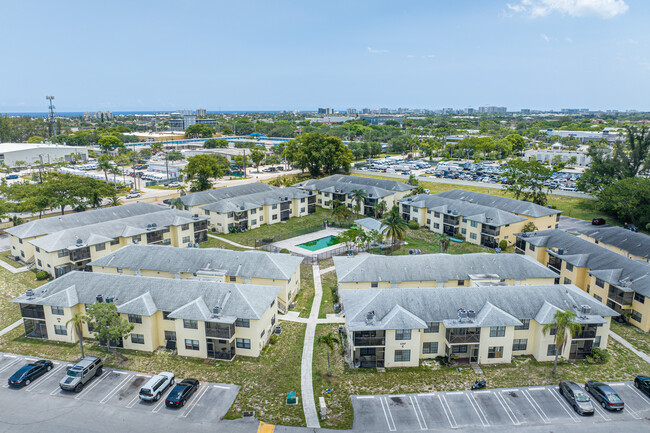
(569, 40)
(374, 51)
(409, 56)
(574, 8)
(546, 38)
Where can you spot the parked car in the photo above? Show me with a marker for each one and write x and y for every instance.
(173, 185)
(631, 227)
(605, 395)
(598, 221)
(133, 195)
(181, 392)
(81, 373)
(27, 373)
(643, 384)
(11, 176)
(156, 386)
(576, 397)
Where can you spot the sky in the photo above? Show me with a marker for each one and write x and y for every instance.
(280, 55)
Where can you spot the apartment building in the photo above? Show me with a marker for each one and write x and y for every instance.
(201, 319)
(621, 283)
(212, 264)
(251, 211)
(340, 187)
(632, 245)
(470, 325)
(20, 236)
(478, 224)
(73, 248)
(440, 270)
(194, 201)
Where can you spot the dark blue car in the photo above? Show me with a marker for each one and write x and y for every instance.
(181, 392)
(28, 373)
(643, 384)
(605, 395)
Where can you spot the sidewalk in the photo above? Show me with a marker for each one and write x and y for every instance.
(306, 382)
(629, 346)
(231, 242)
(11, 327)
(13, 270)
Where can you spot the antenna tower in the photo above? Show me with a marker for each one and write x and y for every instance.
(51, 116)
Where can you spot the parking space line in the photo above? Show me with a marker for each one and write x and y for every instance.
(564, 404)
(482, 392)
(506, 407)
(398, 396)
(426, 394)
(510, 390)
(416, 408)
(477, 408)
(85, 391)
(638, 393)
(360, 397)
(600, 411)
(536, 406)
(9, 356)
(132, 402)
(40, 382)
(195, 402)
(9, 365)
(115, 390)
(537, 388)
(386, 409)
(220, 386)
(445, 407)
(30, 359)
(455, 393)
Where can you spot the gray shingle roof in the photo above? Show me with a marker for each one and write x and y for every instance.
(437, 267)
(504, 306)
(503, 203)
(370, 224)
(106, 231)
(245, 264)
(375, 188)
(45, 226)
(144, 296)
(633, 242)
(627, 274)
(256, 200)
(213, 195)
(474, 212)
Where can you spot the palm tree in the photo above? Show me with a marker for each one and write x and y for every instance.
(358, 195)
(444, 241)
(77, 320)
(330, 341)
(341, 213)
(115, 200)
(395, 227)
(177, 203)
(379, 208)
(115, 171)
(104, 165)
(562, 322)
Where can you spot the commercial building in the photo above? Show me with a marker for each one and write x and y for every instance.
(242, 267)
(439, 270)
(326, 110)
(469, 325)
(609, 135)
(200, 319)
(621, 283)
(35, 154)
(548, 155)
(72, 249)
(20, 236)
(490, 109)
(339, 188)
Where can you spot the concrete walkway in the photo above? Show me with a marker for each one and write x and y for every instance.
(11, 327)
(326, 270)
(13, 270)
(306, 382)
(633, 349)
(231, 242)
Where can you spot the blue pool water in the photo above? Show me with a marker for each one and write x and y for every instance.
(319, 244)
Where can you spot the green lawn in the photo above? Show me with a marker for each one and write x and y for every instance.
(427, 242)
(305, 297)
(11, 286)
(524, 371)
(635, 336)
(4, 256)
(264, 381)
(329, 283)
(217, 243)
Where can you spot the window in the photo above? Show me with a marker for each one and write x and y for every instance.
(374, 284)
(402, 334)
(472, 236)
(58, 311)
(432, 328)
(185, 227)
(436, 214)
(136, 239)
(274, 216)
(261, 218)
(115, 241)
(462, 348)
(274, 207)
(495, 352)
(63, 253)
(474, 223)
(242, 323)
(186, 239)
(520, 344)
(463, 231)
(253, 222)
(206, 212)
(191, 344)
(497, 331)
(531, 247)
(569, 266)
(137, 338)
(402, 355)
(170, 335)
(600, 283)
(262, 334)
(552, 330)
(253, 211)
(135, 318)
(190, 324)
(636, 316)
(461, 282)
(60, 330)
(550, 351)
(166, 315)
(525, 324)
(243, 343)
(598, 298)
(167, 242)
(39, 262)
(429, 348)
(428, 221)
(597, 341)
(100, 247)
(639, 298)
(119, 270)
(436, 225)
(566, 281)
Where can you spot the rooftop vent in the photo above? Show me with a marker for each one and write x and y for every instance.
(241, 207)
(149, 227)
(195, 216)
(79, 242)
(370, 317)
(462, 314)
(471, 314)
(561, 251)
(154, 225)
(29, 293)
(216, 310)
(110, 299)
(100, 299)
(585, 309)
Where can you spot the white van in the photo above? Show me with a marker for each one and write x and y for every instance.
(156, 386)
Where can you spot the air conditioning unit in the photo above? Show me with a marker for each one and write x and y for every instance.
(585, 309)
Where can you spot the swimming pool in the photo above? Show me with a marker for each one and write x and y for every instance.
(319, 244)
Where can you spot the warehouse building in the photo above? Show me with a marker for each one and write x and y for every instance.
(34, 154)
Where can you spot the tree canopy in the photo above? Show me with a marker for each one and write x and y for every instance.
(109, 142)
(213, 144)
(199, 130)
(318, 153)
(201, 168)
(526, 180)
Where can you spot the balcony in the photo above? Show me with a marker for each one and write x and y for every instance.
(462, 336)
(490, 231)
(450, 220)
(239, 216)
(219, 331)
(154, 237)
(369, 341)
(555, 264)
(200, 225)
(80, 255)
(201, 236)
(620, 297)
(32, 311)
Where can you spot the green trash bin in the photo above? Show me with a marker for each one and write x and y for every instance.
(291, 398)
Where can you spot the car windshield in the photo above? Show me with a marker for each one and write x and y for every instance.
(581, 397)
(614, 398)
(176, 393)
(74, 373)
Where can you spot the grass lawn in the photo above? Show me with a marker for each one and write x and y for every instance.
(11, 286)
(634, 336)
(264, 381)
(216, 243)
(326, 263)
(270, 230)
(426, 241)
(329, 283)
(4, 256)
(524, 371)
(305, 297)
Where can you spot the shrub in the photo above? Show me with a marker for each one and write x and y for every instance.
(529, 227)
(42, 275)
(503, 244)
(413, 225)
(335, 295)
(285, 251)
(600, 356)
(273, 339)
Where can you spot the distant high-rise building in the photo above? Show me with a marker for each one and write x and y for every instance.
(201, 112)
(525, 110)
(365, 111)
(470, 110)
(490, 109)
(326, 110)
(352, 111)
(384, 111)
(188, 120)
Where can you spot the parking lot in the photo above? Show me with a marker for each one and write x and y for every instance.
(119, 389)
(501, 408)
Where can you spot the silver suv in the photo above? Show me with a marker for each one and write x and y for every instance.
(80, 373)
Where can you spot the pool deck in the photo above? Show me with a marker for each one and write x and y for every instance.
(292, 244)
